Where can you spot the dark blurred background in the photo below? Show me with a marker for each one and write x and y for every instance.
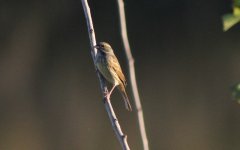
(49, 93)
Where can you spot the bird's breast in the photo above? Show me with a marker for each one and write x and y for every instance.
(108, 73)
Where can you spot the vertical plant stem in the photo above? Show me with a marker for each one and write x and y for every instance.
(132, 74)
(114, 121)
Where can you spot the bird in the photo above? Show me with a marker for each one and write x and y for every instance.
(109, 67)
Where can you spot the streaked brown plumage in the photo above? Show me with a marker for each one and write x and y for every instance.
(108, 65)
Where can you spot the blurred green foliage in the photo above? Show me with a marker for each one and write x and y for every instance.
(236, 92)
(230, 20)
(237, 3)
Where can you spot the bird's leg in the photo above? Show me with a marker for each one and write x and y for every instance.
(112, 89)
(109, 93)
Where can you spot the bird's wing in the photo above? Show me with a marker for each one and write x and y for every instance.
(114, 64)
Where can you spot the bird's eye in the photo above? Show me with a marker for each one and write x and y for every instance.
(102, 46)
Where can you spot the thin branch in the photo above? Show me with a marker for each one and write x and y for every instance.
(114, 121)
(132, 74)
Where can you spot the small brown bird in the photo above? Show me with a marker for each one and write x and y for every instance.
(108, 65)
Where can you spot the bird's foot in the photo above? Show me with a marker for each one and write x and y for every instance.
(107, 95)
(106, 98)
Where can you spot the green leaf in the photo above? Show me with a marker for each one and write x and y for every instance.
(236, 3)
(236, 11)
(230, 20)
(236, 92)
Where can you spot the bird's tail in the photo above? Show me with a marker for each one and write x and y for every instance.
(125, 97)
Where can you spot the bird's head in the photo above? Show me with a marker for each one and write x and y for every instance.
(104, 47)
